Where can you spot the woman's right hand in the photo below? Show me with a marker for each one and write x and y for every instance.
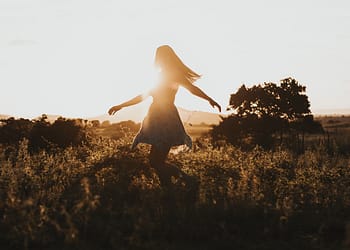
(114, 109)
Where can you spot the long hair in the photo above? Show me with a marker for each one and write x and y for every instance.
(172, 65)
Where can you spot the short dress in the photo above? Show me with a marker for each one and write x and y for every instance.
(162, 126)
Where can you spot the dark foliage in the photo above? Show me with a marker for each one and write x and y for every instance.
(112, 198)
(263, 113)
(13, 130)
(42, 134)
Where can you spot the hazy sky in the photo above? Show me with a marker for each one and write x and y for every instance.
(79, 57)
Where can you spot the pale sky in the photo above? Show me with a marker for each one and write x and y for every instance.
(76, 58)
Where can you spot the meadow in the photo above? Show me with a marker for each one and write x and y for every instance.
(102, 195)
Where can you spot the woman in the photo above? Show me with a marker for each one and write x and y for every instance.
(162, 127)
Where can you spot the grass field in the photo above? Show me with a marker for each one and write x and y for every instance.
(104, 196)
(337, 128)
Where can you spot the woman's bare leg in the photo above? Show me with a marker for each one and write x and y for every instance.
(158, 156)
(157, 159)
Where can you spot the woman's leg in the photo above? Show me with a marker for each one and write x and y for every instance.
(158, 156)
(157, 159)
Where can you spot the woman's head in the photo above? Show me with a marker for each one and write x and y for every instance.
(171, 64)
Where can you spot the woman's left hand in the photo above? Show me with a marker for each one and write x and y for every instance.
(215, 104)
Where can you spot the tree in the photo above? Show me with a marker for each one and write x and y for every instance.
(285, 101)
(42, 134)
(262, 111)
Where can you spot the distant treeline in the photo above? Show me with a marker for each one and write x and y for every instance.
(267, 115)
(41, 134)
(61, 133)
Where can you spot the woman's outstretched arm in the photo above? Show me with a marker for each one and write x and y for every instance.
(133, 101)
(198, 92)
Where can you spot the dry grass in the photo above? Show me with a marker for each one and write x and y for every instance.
(104, 196)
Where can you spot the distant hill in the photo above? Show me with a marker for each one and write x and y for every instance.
(50, 118)
(137, 113)
(198, 117)
(4, 116)
(331, 112)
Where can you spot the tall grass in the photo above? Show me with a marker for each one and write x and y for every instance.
(105, 196)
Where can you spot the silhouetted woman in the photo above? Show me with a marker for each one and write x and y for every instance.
(162, 127)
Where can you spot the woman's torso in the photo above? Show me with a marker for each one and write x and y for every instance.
(165, 92)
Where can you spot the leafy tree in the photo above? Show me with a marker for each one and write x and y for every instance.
(264, 110)
(285, 101)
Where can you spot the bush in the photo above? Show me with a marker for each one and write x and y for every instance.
(42, 134)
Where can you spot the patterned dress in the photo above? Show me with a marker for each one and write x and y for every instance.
(162, 126)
